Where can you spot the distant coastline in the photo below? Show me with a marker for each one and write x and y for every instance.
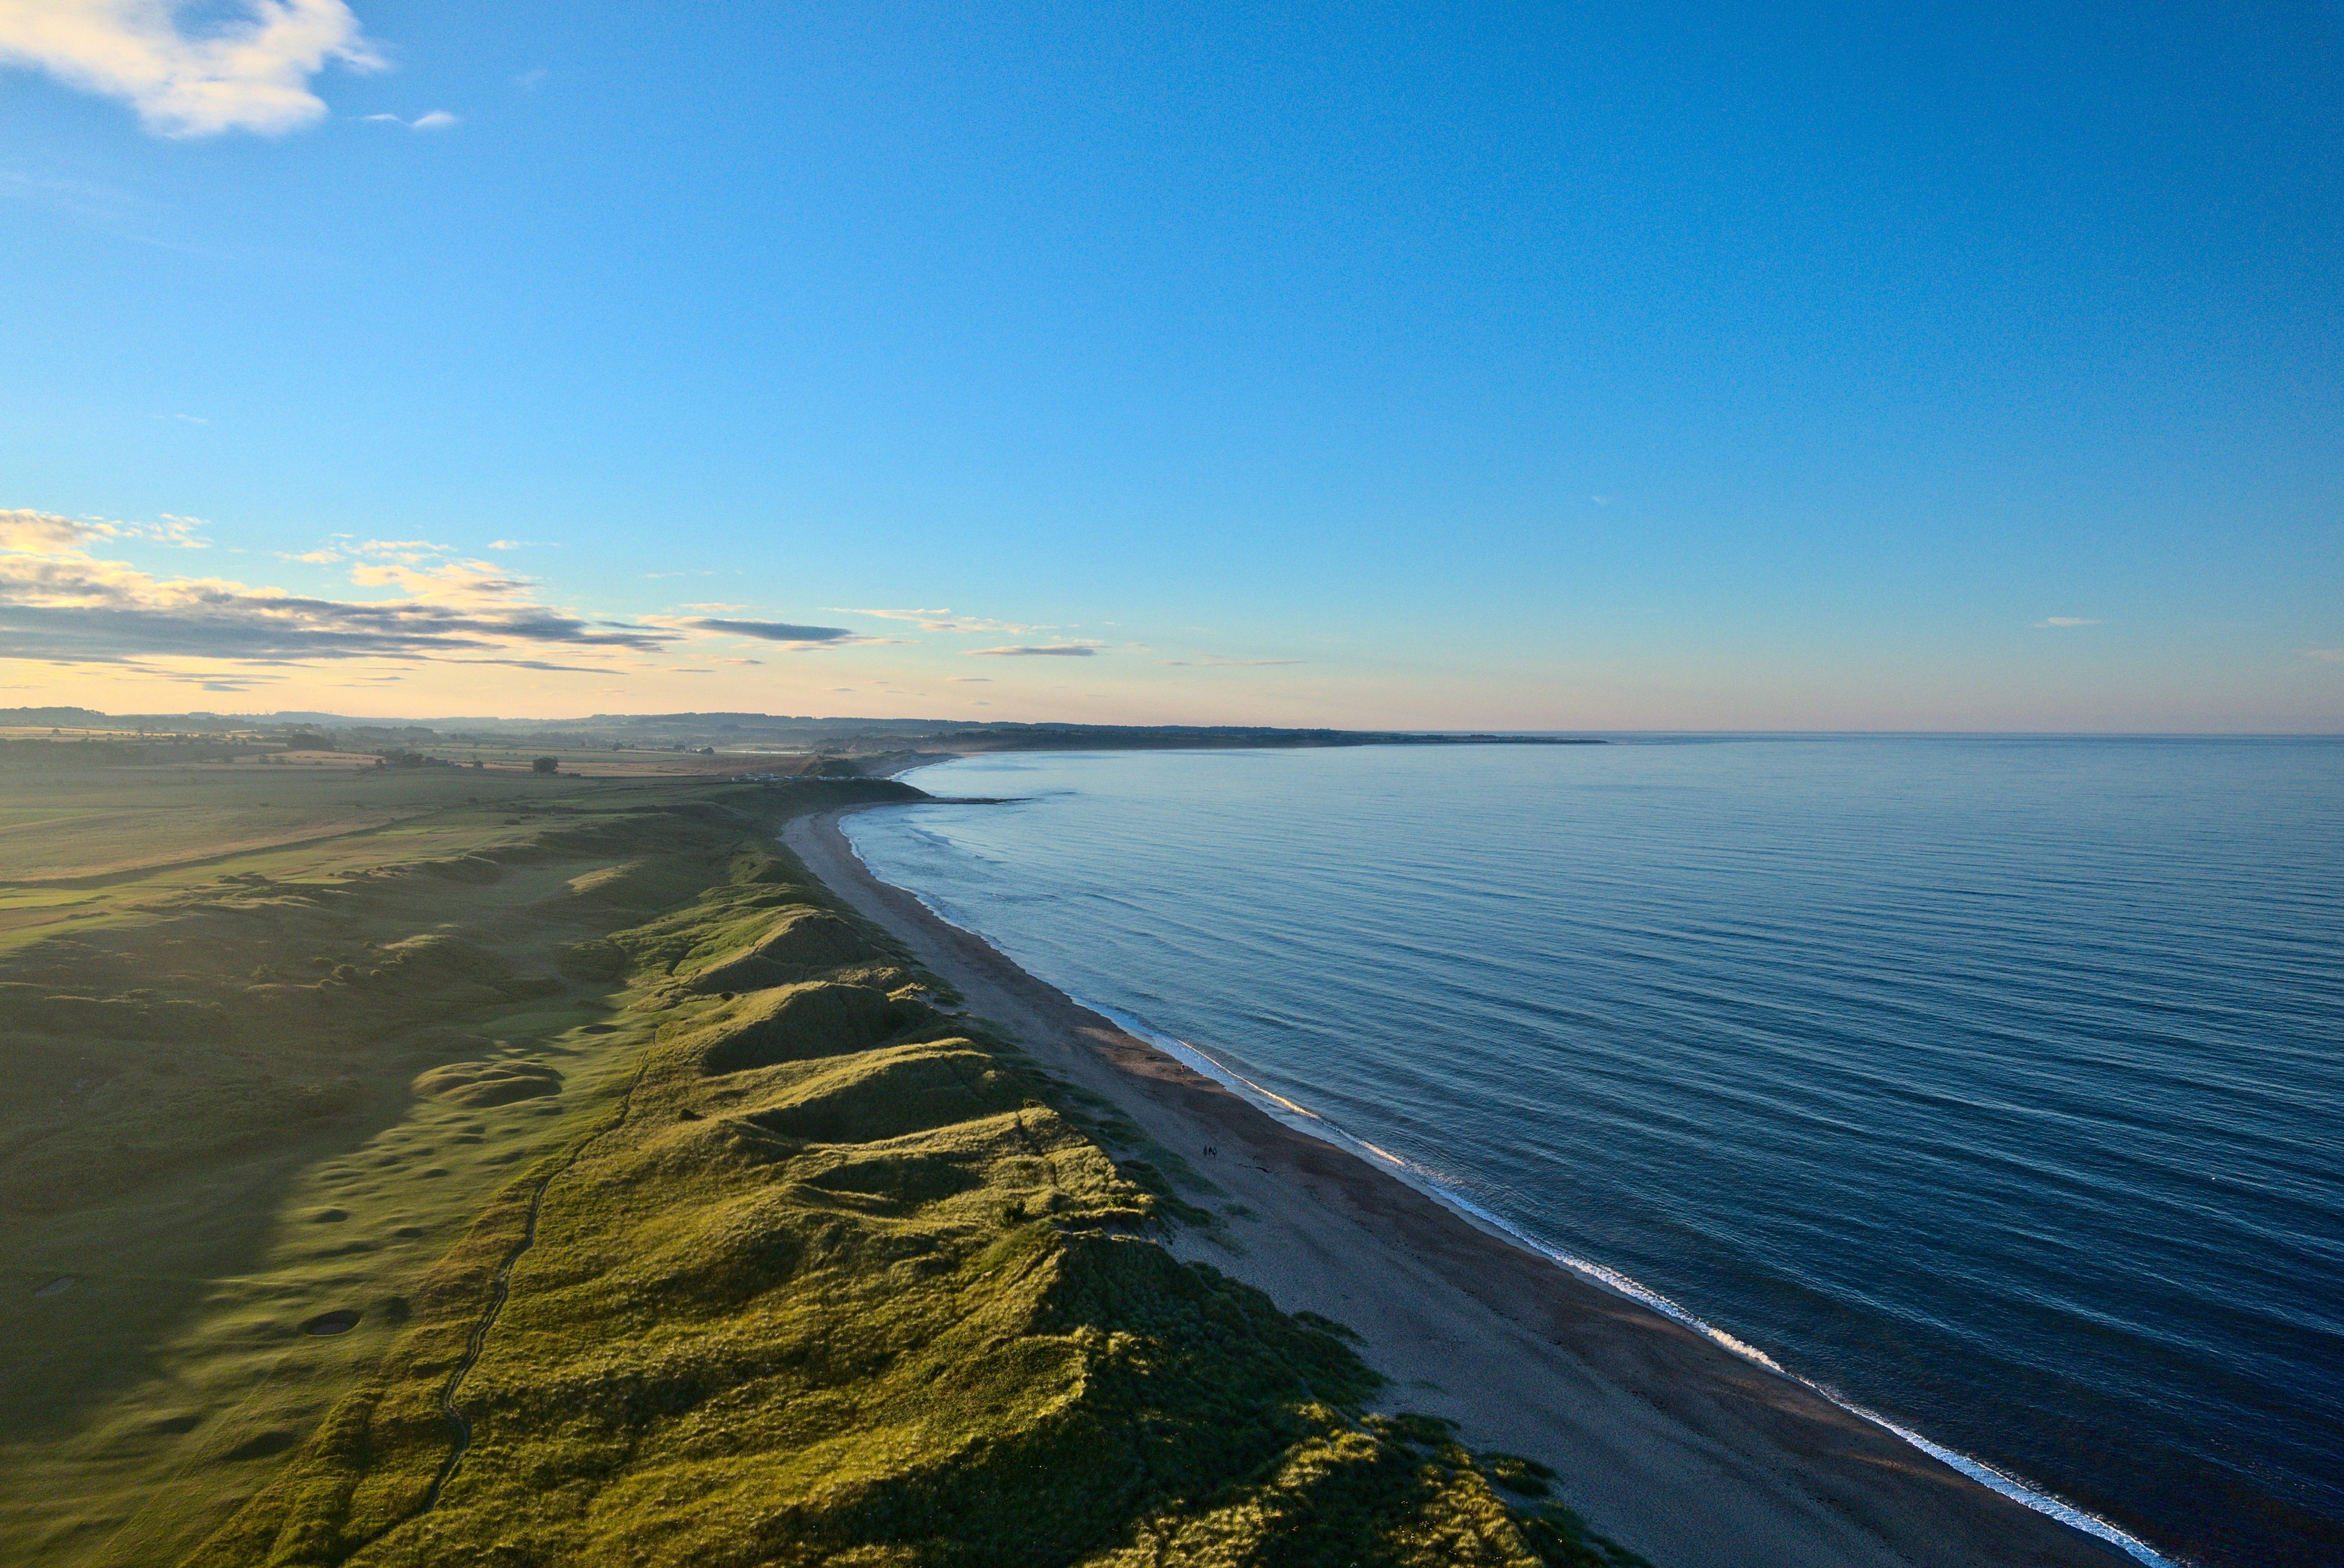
(744, 734)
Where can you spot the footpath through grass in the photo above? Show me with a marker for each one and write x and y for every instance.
(781, 1261)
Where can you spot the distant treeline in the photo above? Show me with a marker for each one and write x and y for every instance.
(69, 718)
(16, 754)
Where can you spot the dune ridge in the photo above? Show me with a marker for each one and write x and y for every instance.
(843, 1276)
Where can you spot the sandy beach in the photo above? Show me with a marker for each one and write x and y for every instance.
(1668, 1443)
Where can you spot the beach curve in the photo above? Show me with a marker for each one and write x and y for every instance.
(1667, 1440)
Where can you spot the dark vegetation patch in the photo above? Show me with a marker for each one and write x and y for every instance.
(262, 1445)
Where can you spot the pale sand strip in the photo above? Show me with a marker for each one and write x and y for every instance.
(1666, 1442)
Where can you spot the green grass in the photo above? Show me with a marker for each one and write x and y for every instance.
(193, 1093)
(680, 1225)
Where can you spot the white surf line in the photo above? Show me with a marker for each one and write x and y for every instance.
(1303, 1119)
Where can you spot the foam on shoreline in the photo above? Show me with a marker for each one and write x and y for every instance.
(1302, 1119)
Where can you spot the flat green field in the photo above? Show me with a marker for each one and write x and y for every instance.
(542, 1171)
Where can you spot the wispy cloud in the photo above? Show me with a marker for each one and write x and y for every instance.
(1215, 661)
(2325, 655)
(521, 544)
(536, 664)
(428, 577)
(970, 679)
(248, 70)
(99, 203)
(42, 531)
(176, 532)
(437, 120)
(1045, 650)
(946, 621)
(2065, 620)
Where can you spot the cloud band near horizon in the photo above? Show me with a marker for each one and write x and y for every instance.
(62, 605)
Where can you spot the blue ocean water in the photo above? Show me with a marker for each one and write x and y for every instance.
(1992, 1085)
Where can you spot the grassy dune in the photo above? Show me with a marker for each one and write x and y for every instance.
(221, 1119)
(681, 1221)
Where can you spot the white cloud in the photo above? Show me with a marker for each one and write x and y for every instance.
(437, 120)
(1215, 661)
(250, 73)
(2326, 655)
(40, 532)
(520, 544)
(2065, 620)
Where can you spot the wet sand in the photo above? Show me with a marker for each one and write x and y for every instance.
(1666, 1442)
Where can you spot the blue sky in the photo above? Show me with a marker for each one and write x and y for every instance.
(1608, 366)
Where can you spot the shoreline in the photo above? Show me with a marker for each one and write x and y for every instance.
(1602, 1278)
(1666, 1439)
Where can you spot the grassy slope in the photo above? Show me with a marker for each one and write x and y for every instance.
(214, 1137)
(800, 1269)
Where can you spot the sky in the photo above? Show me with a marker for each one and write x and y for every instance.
(1556, 367)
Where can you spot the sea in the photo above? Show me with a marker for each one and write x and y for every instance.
(1993, 1086)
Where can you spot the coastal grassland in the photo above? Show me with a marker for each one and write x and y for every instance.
(77, 832)
(233, 1100)
(683, 1221)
